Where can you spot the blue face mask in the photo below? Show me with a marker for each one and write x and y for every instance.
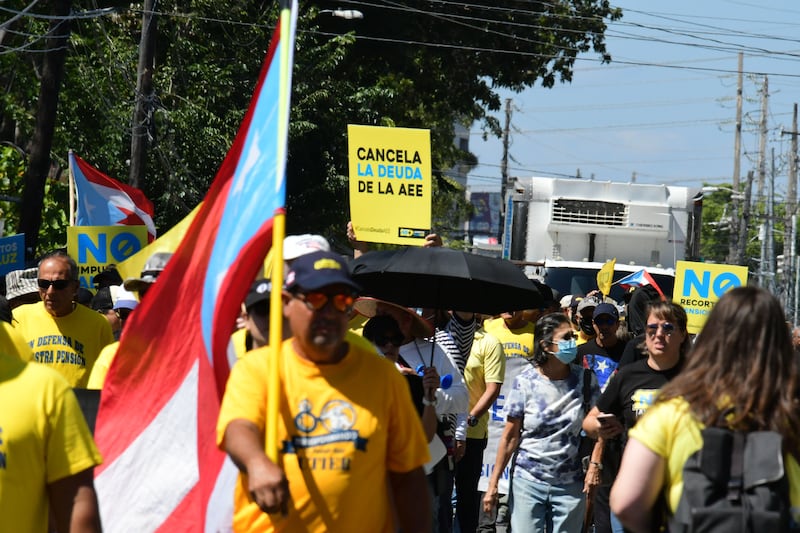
(567, 350)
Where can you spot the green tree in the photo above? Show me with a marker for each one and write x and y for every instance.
(716, 232)
(423, 64)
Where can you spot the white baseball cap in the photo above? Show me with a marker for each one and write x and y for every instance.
(296, 245)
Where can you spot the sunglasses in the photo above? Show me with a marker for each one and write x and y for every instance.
(57, 284)
(605, 321)
(317, 300)
(395, 340)
(666, 327)
(123, 313)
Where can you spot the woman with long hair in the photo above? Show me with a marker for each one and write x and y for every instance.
(543, 413)
(743, 372)
(629, 394)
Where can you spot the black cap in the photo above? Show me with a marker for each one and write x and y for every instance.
(106, 278)
(259, 293)
(102, 300)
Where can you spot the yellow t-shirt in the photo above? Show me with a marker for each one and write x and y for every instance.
(670, 430)
(98, 375)
(69, 344)
(238, 343)
(13, 343)
(344, 426)
(43, 438)
(486, 364)
(516, 342)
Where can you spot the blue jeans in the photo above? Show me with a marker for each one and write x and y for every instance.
(537, 506)
(616, 525)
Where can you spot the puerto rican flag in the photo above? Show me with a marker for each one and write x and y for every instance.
(156, 423)
(104, 201)
(639, 279)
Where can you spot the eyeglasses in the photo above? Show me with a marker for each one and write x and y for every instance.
(317, 300)
(605, 321)
(395, 340)
(58, 284)
(666, 327)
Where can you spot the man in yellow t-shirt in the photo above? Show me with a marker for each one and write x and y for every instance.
(346, 451)
(483, 375)
(514, 333)
(62, 334)
(46, 451)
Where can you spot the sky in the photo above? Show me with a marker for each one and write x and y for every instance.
(664, 109)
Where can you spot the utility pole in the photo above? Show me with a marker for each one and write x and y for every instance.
(737, 156)
(790, 219)
(770, 227)
(504, 171)
(504, 162)
(766, 271)
(744, 221)
(762, 144)
(141, 128)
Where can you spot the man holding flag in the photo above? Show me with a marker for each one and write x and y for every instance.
(155, 425)
(347, 422)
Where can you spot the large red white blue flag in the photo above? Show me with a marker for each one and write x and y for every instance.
(639, 279)
(104, 201)
(156, 423)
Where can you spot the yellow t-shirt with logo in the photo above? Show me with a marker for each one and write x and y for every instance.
(69, 344)
(516, 342)
(669, 430)
(343, 427)
(43, 438)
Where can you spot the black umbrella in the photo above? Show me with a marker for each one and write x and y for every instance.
(445, 278)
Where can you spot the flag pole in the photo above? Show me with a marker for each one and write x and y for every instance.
(71, 191)
(278, 233)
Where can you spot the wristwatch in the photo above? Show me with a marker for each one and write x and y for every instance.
(426, 401)
(472, 421)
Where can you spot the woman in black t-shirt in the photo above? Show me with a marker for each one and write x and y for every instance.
(633, 388)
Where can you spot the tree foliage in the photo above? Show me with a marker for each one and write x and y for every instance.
(424, 64)
(716, 231)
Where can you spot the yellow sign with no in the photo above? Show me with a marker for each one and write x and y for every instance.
(698, 286)
(390, 184)
(95, 247)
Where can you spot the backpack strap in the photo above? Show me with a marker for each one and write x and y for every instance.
(736, 479)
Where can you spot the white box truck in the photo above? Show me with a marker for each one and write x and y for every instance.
(563, 230)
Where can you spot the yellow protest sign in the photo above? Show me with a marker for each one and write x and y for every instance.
(390, 184)
(168, 242)
(95, 247)
(698, 286)
(605, 276)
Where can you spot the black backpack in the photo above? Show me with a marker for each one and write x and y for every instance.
(735, 483)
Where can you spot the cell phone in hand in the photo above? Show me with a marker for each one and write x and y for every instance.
(605, 418)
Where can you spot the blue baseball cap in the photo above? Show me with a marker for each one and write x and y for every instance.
(319, 269)
(606, 309)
